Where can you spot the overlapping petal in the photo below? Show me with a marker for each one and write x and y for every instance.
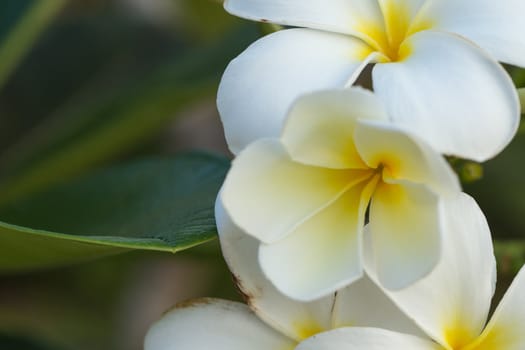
(451, 304)
(505, 329)
(405, 228)
(451, 94)
(404, 157)
(319, 127)
(360, 304)
(323, 254)
(270, 195)
(293, 318)
(363, 304)
(213, 323)
(366, 338)
(259, 86)
(341, 16)
(494, 26)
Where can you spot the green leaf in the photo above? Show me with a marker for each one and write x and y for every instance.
(153, 204)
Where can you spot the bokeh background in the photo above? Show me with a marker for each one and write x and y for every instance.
(89, 84)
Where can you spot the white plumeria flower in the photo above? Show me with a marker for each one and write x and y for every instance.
(304, 196)
(452, 304)
(436, 67)
(270, 320)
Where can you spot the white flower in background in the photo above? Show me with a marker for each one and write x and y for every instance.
(436, 66)
(452, 304)
(271, 321)
(304, 196)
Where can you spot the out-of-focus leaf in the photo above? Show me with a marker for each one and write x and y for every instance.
(24, 33)
(501, 191)
(269, 28)
(468, 171)
(510, 255)
(517, 74)
(112, 125)
(10, 342)
(521, 94)
(155, 204)
(10, 14)
(83, 56)
(204, 19)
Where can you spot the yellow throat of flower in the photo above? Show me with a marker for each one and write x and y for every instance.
(389, 37)
(459, 338)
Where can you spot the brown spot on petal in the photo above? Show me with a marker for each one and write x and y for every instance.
(247, 297)
(189, 303)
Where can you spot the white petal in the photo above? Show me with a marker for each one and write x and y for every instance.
(320, 127)
(259, 86)
(296, 319)
(505, 329)
(496, 26)
(268, 195)
(342, 16)
(323, 254)
(452, 303)
(364, 304)
(213, 324)
(405, 229)
(449, 93)
(404, 157)
(353, 338)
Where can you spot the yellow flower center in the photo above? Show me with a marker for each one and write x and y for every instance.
(458, 338)
(386, 165)
(389, 37)
(461, 339)
(307, 329)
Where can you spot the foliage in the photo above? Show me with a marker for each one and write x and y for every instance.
(155, 204)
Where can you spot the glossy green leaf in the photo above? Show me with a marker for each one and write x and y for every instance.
(153, 204)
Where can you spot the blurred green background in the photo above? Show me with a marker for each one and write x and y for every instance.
(93, 91)
(88, 86)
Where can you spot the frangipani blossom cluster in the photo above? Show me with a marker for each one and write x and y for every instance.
(340, 219)
(450, 305)
(436, 67)
(446, 310)
(304, 196)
